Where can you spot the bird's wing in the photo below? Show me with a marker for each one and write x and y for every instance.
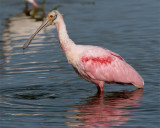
(104, 65)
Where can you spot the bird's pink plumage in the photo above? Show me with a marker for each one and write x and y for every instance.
(95, 64)
(100, 64)
(101, 60)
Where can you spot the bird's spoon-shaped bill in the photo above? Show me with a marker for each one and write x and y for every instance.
(44, 24)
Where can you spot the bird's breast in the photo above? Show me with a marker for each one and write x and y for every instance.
(72, 58)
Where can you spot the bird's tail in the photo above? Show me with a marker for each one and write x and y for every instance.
(138, 81)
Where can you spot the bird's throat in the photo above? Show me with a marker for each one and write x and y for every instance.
(65, 42)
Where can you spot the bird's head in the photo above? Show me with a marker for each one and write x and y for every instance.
(51, 19)
(52, 16)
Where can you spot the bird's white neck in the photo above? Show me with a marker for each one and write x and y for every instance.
(65, 42)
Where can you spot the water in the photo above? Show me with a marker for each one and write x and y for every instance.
(40, 89)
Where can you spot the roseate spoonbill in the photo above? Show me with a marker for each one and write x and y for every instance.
(95, 64)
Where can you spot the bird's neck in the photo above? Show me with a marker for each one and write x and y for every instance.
(65, 42)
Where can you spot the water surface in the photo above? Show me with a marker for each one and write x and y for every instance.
(40, 89)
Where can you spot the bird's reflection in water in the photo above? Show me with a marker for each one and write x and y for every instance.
(112, 109)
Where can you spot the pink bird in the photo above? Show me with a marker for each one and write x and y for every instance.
(93, 63)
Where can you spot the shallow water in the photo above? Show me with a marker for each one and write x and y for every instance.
(40, 89)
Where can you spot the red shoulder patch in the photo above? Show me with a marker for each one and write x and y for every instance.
(101, 60)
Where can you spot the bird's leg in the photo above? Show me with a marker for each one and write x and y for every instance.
(99, 85)
(26, 9)
(100, 89)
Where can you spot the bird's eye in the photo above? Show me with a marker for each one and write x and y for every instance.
(51, 16)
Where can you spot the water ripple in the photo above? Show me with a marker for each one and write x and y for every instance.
(38, 88)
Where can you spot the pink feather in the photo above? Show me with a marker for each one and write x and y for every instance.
(95, 64)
